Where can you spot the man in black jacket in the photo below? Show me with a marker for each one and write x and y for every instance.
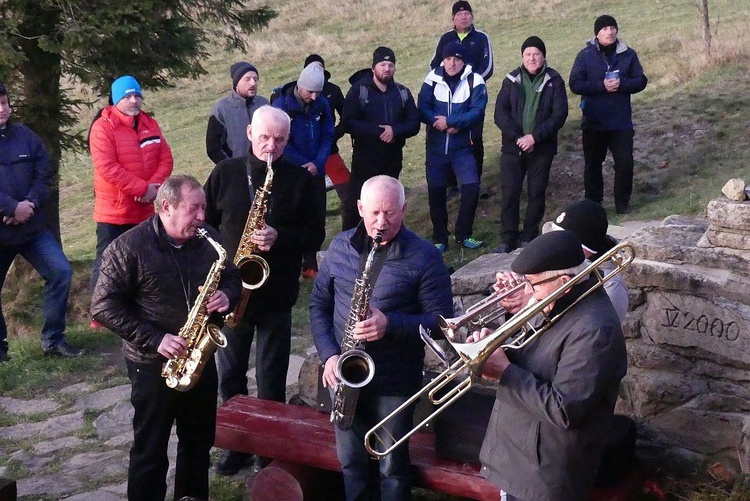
(149, 280)
(531, 107)
(293, 225)
(379, 114)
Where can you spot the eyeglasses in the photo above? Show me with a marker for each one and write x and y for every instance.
(533, 285)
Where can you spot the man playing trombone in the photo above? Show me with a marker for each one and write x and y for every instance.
(556, 396)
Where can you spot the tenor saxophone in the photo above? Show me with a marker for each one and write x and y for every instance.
(355, 367)
(202, 337)
(254, 270)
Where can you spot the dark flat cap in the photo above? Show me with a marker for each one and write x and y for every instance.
(556, 250)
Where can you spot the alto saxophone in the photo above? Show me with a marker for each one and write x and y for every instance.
(254, 270)
(202, 337)
(355, 367)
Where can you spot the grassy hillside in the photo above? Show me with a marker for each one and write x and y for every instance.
(680, 107)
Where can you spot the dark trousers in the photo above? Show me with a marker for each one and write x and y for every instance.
(363, 168)
(477, 150)
(46, 256)
(105, 234)
(595, 146)
(274, 333)
(513, 168)
(157, 407)
(366, 479)
(463, 166)
(309, 259)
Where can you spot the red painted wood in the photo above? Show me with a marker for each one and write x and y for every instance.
(304, 436)
(283, 481)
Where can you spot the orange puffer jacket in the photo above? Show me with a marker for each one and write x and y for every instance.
(126, 161)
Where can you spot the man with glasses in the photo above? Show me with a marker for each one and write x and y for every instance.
(559, 392)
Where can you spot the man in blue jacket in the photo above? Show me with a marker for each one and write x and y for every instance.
(451, 102)
(605, 74)
(311, 136)
(411, 288)
(531, 107)
(25, 182)
(478, 55)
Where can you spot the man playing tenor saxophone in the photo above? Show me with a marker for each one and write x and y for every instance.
(148, 282)
(411, 287)
(555, 398)
(289, 226)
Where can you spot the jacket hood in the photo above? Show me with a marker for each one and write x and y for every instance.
(361, 77)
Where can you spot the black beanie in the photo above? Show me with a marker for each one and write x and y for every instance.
(534, 42)
(461, 5)
(383, 54)
(238, 70)
(313, 58)
(603, 22)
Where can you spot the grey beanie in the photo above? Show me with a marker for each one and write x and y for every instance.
(312, 78)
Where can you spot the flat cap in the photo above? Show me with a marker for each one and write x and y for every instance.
(556, 250)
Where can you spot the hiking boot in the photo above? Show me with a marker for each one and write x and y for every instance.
(231, 462)
(441, 247)
(503, 249)
(309, 273)
(470, 243)
(63, 349)
(624, 209)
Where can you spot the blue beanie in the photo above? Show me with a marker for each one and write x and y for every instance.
(123, 86)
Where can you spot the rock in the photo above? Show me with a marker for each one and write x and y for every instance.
(734, 189)
(55, 445)
(76, 388)
(28, 407)
(98, 495)
(114, 422)
(37, 486)
(103, 399)
(729, 215)
(96, 464)
(52, 428)
(720, 237)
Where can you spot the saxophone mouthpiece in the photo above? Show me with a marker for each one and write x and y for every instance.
(378, 238)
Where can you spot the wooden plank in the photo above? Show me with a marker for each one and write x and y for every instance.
(301, 435)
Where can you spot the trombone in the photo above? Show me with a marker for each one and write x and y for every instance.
(514, 334)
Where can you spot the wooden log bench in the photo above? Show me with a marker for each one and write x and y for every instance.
(302, 443)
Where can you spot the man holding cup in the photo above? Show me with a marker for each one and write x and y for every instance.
(605, 73)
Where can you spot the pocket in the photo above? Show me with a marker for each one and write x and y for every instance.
(532, 444)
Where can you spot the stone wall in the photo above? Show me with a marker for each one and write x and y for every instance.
(687, 333)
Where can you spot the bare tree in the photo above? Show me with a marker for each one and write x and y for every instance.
(703, 10)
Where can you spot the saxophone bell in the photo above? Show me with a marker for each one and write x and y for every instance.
(355, 368)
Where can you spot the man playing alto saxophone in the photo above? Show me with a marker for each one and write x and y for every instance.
(555, 398)
(412, 287)
(292, 226)
(149, 280)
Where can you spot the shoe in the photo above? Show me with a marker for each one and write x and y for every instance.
(309, 273)
(503, 249)
(441, 247)
(232, 461)
(4, 356)
(96, 326)
(624, 209)
(470, 243)
(260, 463)
(65, 350)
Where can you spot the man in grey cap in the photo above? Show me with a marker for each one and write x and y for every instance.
(226, 135)
(311, 135)
(558, 393)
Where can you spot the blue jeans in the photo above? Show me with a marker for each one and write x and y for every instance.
(274, 333)
(365, 478)
(465, 168)
(46, 256)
